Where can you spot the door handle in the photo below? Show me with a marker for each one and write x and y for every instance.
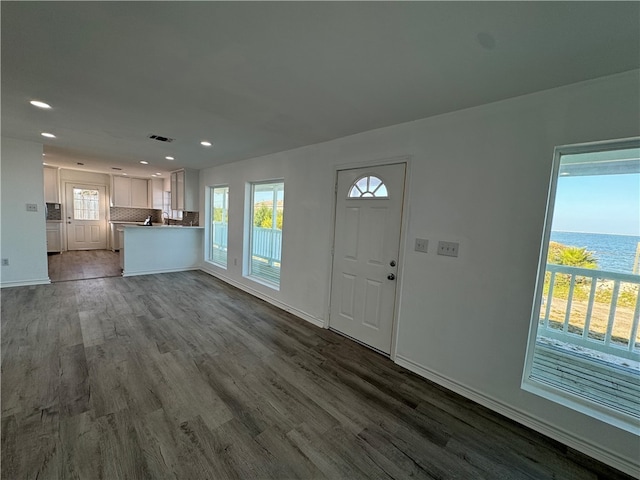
(391, 276)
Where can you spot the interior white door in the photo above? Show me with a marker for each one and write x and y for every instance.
(366, 247)
(86, 212)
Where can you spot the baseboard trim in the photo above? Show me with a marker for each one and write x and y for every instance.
(26, 283)
(606, 456)
(160, 270)
(318, 322)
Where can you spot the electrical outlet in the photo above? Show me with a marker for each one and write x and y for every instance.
(5, 262)
(421, 245)
(448, 249)
(32, 207)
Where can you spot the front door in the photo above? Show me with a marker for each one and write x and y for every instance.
(366, 246)
(86, 217)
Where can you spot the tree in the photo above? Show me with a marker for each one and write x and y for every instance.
(571, 256)
(263, 217)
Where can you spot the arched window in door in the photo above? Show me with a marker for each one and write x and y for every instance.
(368, 186)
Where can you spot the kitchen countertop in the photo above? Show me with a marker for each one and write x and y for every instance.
(133, 224)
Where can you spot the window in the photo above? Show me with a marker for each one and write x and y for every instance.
(219, 225)
(86, 204)
(584, 348)
(267, 215)
(166, 208)
(368, 187)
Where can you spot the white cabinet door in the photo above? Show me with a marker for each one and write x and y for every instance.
(184, 190)
(121, 192)
(51, 185)
(54, 242)
(174, 191)
(139, 193)
(156, 190)
(179, 191)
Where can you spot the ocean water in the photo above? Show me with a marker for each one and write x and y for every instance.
(614, 253)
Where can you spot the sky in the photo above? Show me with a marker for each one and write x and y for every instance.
(598, 204)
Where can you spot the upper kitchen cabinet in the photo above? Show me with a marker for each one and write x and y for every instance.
(156, 191)
(184, 190)
(130, 192)
(51, 183)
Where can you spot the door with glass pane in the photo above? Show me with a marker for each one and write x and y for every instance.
(366, 247)
(86, 217)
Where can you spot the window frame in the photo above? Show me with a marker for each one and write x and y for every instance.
(210, 246)
(563, 397)
(249, 234)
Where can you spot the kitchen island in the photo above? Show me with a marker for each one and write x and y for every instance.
(160, 249)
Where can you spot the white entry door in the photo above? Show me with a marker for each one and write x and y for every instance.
(366, 246)
(86, 213)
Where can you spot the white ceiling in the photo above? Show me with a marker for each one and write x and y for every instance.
(262, 77)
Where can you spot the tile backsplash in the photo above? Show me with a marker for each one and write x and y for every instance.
(53, 213)
(126, 214)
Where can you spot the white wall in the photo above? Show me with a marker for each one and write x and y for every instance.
(23, 234)
(480, 177)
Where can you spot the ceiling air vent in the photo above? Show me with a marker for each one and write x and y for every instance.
(160, 138)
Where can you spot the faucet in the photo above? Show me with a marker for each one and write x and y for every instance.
(165, 217)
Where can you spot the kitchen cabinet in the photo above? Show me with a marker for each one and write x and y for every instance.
(185, 186)
(130, 192)
(139, 193)
(51, 185)
(54, 237)
(156, 192)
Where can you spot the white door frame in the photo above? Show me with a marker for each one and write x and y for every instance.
(69, 208)
(403, 229)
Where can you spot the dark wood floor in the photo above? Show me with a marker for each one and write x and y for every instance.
(179, 376)
(83, 265)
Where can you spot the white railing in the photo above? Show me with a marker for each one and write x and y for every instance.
(600, 323)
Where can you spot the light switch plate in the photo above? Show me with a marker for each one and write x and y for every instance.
(448, 249)
(421, 245)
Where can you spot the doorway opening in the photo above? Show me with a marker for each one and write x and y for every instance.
(85, 221)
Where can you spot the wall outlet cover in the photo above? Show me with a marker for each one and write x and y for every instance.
(32, 207)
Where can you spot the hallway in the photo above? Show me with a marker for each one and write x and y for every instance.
(83, 265)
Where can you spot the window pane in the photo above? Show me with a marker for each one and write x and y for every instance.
(267, 216)
(219, 225)
(587, 341)
(368, 187)
(86, 204)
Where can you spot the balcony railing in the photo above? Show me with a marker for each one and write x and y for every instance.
(594, 309)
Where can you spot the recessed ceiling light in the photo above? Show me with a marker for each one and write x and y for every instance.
(159, 174)
(124, 174)
(43, 163)
(43, 154)
(48, 135)
(204, 143)
(153, 175)
(39, 104)
(143, 162)
(169, 158)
